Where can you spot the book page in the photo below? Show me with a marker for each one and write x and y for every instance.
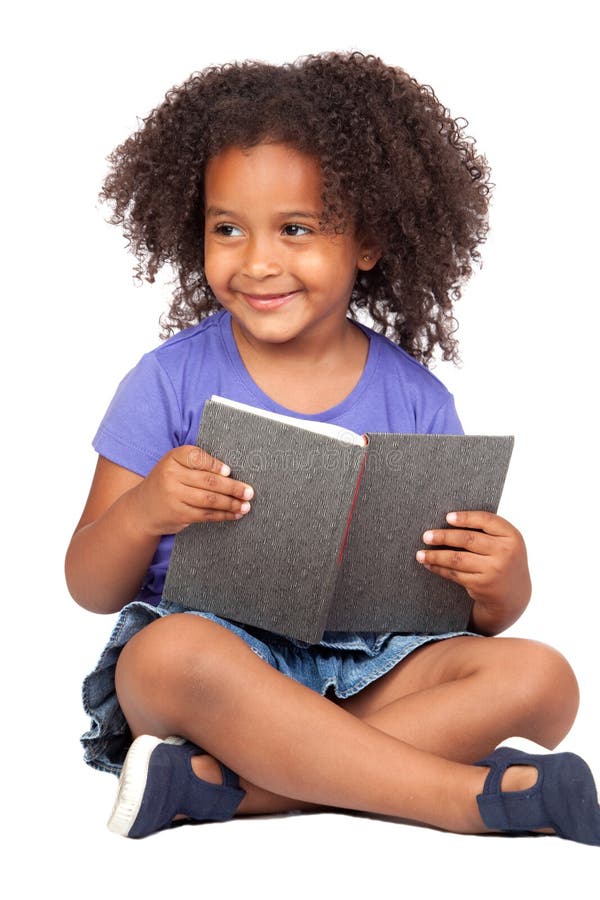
(327, 428)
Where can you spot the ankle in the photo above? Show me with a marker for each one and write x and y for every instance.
(519, 778)
(257, 800)
(207, 768)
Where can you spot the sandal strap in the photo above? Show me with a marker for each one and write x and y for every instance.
(512, 811)
(218, 802)
(230, 778)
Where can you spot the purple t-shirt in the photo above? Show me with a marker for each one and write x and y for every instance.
(158, 405)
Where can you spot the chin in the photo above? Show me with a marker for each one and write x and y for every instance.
(266, 327)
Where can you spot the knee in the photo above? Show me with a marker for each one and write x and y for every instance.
(548, 688)
(167, 658)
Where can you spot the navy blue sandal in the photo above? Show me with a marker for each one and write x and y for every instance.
(564, 796)
(158, 782)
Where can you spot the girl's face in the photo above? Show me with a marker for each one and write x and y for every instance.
(283, 281)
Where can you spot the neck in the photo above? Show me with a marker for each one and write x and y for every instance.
(304, 353)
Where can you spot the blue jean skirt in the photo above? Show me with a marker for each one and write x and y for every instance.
(345, 661)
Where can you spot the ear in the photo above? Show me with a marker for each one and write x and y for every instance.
(368, 256)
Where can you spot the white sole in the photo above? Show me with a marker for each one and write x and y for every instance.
(132, 782)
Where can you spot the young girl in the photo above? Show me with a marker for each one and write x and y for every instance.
(287, 198)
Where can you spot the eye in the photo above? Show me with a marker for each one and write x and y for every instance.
(227, 230)
(295, 230)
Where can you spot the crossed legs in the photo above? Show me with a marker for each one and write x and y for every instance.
(401, 747)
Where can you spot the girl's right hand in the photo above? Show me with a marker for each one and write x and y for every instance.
(188, 485)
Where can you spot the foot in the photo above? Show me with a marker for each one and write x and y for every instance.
(208, 769)
(521, 778)
(553, 793)
(158, 783)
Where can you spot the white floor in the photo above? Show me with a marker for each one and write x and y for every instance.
(293, 856)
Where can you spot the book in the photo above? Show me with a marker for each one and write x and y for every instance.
(336, 520)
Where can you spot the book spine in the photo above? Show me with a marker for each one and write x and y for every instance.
(353, 504)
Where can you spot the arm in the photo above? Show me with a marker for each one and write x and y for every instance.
(491, 563)
(125, 516)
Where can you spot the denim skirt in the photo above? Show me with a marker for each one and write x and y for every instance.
(345, 661)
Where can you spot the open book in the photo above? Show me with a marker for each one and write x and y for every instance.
(336, 521)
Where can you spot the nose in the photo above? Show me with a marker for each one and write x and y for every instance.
(261, 259)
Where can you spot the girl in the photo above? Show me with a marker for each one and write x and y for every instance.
(287, 198)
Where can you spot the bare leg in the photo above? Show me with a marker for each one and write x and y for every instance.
(460, 698)
(195, 679)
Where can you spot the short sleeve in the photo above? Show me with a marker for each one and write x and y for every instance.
(445, 420)
(143, 420)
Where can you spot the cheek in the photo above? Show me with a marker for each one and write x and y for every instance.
(336, 269)
(213, 266)
(318, 266)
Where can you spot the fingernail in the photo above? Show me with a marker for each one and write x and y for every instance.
(244, 507)
(428, 537)
(452, 517)
(421, 556)
(225, 470)
(248, 493)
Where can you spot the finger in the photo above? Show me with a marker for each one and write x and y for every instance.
(216, 512)
(473, 541)
(201, 480)
(453, 560)
(463, 578)
(196, 458)
(486, 521)
(201, 470)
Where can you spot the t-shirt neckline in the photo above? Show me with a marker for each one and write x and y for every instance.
(265, 401)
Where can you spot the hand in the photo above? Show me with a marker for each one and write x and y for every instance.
(490, 562)
(189, 485)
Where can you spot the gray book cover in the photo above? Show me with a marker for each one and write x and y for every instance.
(410, 482)
(331, 538)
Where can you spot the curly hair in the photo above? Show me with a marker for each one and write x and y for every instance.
(395, 166)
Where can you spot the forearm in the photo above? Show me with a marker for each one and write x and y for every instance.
(107, 559)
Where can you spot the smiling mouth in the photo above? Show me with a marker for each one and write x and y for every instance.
(268, 301)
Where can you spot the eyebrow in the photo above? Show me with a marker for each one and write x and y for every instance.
(285, 214)
(216, 211)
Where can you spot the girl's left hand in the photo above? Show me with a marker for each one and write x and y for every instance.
(490, 562)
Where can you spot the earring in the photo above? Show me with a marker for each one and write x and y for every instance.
(366, 256)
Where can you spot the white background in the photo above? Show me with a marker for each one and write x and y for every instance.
(76, 79)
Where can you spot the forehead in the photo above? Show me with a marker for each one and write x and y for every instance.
(267, 171)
